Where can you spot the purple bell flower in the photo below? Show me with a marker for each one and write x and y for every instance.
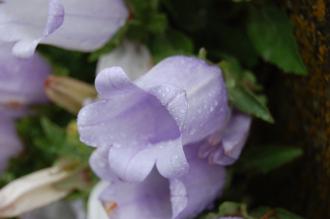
(160, 198)
(9, 142)
(142, 124)
(82, 25)
(21, 81)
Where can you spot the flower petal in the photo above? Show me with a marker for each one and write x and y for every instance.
(204, 89)
(99, 162)
(233, 140)
(199, 187)
(171, 159)
(132, 164)
(148, 200)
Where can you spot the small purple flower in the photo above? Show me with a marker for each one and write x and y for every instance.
(21, 81)
(138, 125)
(82, 25)
(160, 198)
(9, 142)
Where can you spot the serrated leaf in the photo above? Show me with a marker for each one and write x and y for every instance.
(271, 33)
(241, 85)
(267, 158)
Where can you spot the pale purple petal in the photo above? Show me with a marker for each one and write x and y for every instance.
(21, 80)
(99, 162)
(10, 144)
(132, 163)
(149, 199)
(233, 139)
(204, 89)
(72, 24)
(200, 186)
(159, 198)
(134, 58)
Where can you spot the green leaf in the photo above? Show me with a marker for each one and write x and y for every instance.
(271, 33)
(242, 87)
(277, 213)
(267, 158)
(248, 102)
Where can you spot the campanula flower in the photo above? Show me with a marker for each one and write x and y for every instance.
(21, 81)
(141, 124)
(160, 198)
(82, 25)
(10, 144)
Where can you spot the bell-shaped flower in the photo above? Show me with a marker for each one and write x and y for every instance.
(161, 198)
(135, 59)
(10, 144)
(82, 25)
(21, 80)
(144, 123)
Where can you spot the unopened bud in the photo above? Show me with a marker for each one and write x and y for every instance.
(69, 93)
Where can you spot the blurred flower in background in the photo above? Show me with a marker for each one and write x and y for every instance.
(21, 81)
(134, 58)
(21, 85)
(71, 24)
